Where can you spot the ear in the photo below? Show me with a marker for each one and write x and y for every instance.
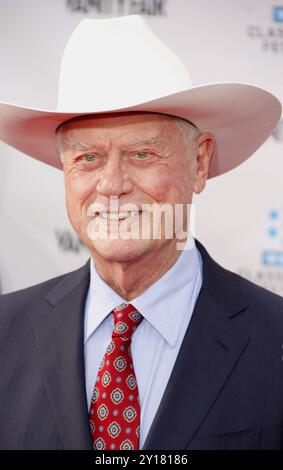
(205, 146)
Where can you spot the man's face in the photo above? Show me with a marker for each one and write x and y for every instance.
(135, 160)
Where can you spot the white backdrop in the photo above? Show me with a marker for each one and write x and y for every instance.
(239, 217)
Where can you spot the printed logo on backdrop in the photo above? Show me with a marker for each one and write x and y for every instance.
(270, 264)
(273, 256)
(118, 7)
(269, 36)
(69, 242)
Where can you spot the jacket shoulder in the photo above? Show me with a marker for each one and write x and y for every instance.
(266, 305)
(257, 293)
(21, 300)
(229, 288)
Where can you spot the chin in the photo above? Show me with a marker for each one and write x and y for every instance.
(121, 251)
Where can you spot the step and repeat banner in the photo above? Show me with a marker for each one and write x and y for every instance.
(239, 216)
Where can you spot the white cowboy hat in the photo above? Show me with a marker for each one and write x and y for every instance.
(120, 65)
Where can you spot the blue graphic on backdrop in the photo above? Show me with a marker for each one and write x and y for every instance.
(270, 33)
(274, 257)
(278, 14)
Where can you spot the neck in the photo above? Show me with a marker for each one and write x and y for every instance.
(130, 279)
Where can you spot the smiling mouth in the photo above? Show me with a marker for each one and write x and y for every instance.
(117, 216)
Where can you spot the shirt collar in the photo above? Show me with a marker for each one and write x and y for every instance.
(164, 304)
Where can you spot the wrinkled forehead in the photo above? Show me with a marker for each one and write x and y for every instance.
(123, 128)
(115, 119)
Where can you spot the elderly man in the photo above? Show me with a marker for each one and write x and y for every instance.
(149, 345)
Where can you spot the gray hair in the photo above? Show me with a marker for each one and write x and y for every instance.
(189, 130)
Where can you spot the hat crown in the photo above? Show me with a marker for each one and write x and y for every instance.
(115, 63)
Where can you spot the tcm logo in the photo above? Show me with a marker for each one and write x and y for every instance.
(274, 255)
(277, 14)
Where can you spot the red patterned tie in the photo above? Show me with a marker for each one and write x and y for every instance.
(115, 411)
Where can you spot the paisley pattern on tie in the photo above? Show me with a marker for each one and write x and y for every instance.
(115, 410)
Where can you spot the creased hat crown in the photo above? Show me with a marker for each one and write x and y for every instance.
(115, 63)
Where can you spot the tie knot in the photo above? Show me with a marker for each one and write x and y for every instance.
(126, 320)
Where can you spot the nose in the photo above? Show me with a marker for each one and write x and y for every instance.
(113, 180)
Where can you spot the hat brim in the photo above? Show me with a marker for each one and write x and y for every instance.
(241, 116)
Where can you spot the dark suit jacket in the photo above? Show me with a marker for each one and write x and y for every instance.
(225, 391)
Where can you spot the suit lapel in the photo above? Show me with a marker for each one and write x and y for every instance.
(59, 329)
(212, 345)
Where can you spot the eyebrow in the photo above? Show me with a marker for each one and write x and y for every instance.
(137, 143)
(78, 145)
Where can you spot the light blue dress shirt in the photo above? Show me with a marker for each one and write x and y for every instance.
(167, 307)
